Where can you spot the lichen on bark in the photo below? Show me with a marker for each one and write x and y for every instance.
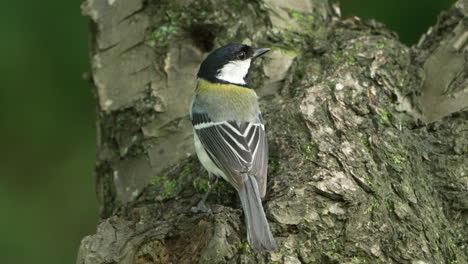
(359, 170)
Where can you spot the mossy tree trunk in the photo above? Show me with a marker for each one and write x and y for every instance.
(368, 137)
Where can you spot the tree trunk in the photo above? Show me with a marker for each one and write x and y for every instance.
(368, 137)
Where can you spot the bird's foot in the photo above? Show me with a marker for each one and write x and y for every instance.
(201, 208)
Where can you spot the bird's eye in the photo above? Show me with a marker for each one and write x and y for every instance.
(241, 55)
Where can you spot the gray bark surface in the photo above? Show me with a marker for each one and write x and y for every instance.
(368, 137)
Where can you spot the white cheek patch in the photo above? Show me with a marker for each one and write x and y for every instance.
(235, 71)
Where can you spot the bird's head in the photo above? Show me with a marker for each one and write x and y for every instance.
(229, 64)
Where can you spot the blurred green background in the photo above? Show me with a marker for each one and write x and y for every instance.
(409, 18)
(47, 134)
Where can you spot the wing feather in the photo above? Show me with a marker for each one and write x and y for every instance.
(260, 159)
(235, 147)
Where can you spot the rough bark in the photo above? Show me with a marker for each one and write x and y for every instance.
(368, 137)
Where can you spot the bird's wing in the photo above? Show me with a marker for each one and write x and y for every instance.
(235, 147)
(259, 149)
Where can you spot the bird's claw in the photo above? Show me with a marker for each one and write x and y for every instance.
(201, 208)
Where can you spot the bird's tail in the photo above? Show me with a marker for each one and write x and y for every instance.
(258, 230)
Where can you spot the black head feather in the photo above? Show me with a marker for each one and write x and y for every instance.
(216, 60)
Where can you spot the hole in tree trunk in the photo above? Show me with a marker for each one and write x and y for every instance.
(203, 36)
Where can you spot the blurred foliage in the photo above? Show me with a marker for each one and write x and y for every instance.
(408, 18)
(47, 134)
(47, 198)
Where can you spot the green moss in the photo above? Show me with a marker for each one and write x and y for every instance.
(288, 52)
(341, 57)
(369, 182)
(384, 116)
(350, 60)
(364, 140)
(303, 19)
(273, 164)
(294, 39)
(398, 159)
(162, 36)
(357, 46)
(371, 207)
(359, 260)
(310, 150)
(185, 171)
(451, 243)
(157, 133)
(223, 188)
(332, 243)
(245, 247)
(388, 205)
(167, 185)
(307, 220)
(337, 57)
(235, 3)
(158, 180)
(333, 255)
(169, 188)
(201, 184)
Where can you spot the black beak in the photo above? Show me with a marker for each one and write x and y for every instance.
(260, 52)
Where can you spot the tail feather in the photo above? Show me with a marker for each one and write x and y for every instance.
(258, 230)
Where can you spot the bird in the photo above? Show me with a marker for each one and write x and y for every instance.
(229, 133)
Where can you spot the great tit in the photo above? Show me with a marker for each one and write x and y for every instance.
(229, 133)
